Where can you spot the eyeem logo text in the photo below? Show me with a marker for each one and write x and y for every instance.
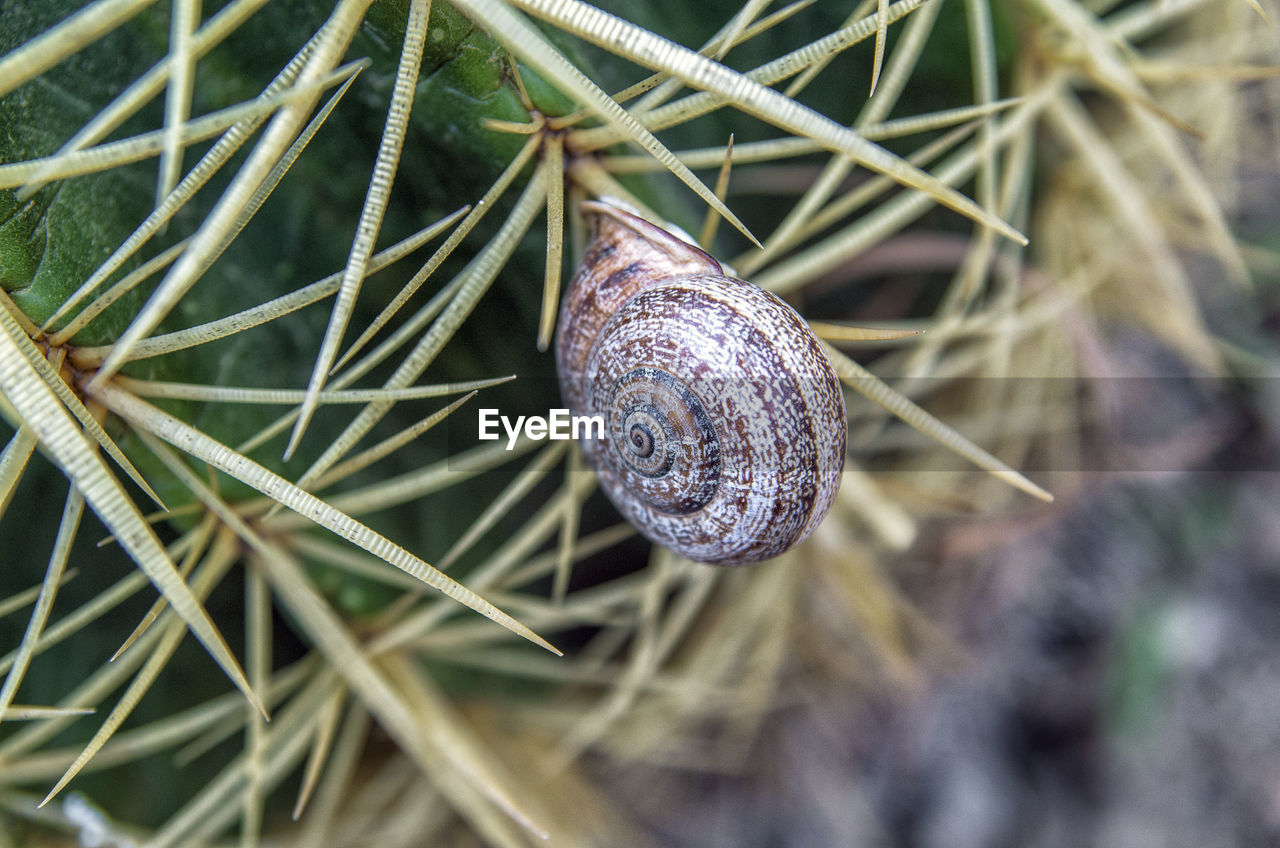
(558, 425)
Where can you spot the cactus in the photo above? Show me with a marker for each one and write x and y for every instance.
(261, 261)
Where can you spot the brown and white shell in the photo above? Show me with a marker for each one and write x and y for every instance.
(724, 421)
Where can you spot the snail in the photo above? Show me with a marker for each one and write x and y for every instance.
(724, 432)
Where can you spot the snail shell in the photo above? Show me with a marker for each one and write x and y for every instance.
(724, 421)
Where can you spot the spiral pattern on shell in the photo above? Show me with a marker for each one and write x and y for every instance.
(725, 423)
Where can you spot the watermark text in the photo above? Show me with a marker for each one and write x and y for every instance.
(559, 424)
